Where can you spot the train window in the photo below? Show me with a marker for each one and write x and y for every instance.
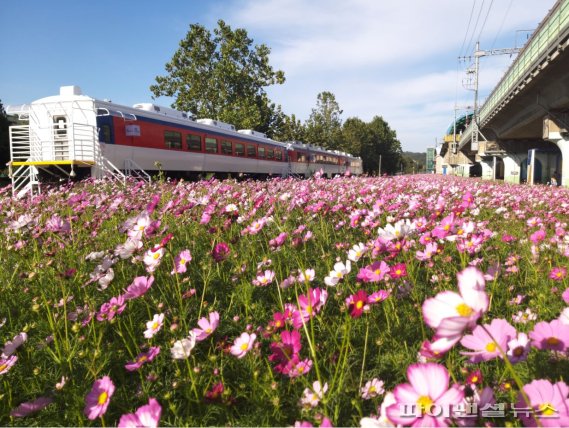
(239, 149)
(194, 142)
(301, 157)
(173, 139)
(105, 134)
(226, 147)
(211, 145)
(251, 152)
(270, 153)
(261, 153)
(278, 155)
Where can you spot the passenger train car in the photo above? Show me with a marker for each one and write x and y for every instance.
(78, 134)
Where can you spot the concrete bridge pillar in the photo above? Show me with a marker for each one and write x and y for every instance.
(487, 169)
(511, 168)
(563, 145)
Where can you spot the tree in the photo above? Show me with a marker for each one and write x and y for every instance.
(370, 141)
(4, 137)
(289, 129)
(221, 76)
(324, 126)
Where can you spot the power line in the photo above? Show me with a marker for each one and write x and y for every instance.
(485, 19)
(468, 27)
(476, 26)
(502, 24)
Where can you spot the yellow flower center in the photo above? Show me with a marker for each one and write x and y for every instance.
(464, 310)
(491, 347)
(372, 389)
(156, 255)
(547, 409)
(552, 341)
(244, 346)
(424, 403)
(309, 310)
(474, 379)
(359, 304)
(155, 325)
(398, 272)
(208, 330)
(377, 271)
(102, 398)
(142, 359)
(183, 261)
(3, 366)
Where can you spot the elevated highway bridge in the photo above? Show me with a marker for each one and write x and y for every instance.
(527, 112)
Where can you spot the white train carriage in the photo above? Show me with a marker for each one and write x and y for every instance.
(74, 134)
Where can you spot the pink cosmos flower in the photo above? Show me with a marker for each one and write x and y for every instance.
(284, 351)
(243, 344)
(450, 313)
(430, 250)
(357, 303)
(552, 335)
(565, 295)
(296, 367)
(153, 326)
(181, 261)
(549, 402)
(398, 271)
(29, 407)
(11, 345)
(139, 287)
(374, 272)
(97, 400)
(312, 396)
(113, 307)
(518, 348)
(377, 296)
(428, 386)
(372, 389)
(538, 236)
(487, 341)
(145, 416)
(309, 305)
(558, 273)
(264, 279)
(143, 358)
(207, 327)
(7, 363)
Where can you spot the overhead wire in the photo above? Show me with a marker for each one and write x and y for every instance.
(501, 25)
(467, 28)
(475, 26)
(485, 19)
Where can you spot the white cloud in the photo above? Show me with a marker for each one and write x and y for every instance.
(387, 58)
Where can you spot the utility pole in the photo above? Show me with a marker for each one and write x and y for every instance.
(379, 166)
(474, 83)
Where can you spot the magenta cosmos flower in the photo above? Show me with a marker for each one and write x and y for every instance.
(143, 358)
(357, 303)
(549, 402)
(558, 273)
(428, 387)
(181, 261)
(486, 342)
(552, 335)
(220, 252)
(145, 416)
(243, 344)
(97, 401)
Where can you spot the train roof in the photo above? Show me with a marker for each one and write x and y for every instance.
(153, 111)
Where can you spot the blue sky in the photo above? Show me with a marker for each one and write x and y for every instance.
(395, 59)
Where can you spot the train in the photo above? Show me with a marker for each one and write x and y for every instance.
(75, 134)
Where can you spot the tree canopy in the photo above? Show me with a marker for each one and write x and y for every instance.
(221, 76)
(324, 126)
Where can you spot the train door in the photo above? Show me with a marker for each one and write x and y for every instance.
(60, 138)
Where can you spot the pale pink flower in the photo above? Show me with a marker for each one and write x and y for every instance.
(182, 349)
(181, 261)
(139, 287)
(30, 407)
(372, 389)
(207, 327)
(486, 342)
(11, 346)
(264, 279)
(7, 363)
(243, 344)
(152, 258)
(153, 326)
(428, 386)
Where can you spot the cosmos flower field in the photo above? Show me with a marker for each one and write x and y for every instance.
(412, 300)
